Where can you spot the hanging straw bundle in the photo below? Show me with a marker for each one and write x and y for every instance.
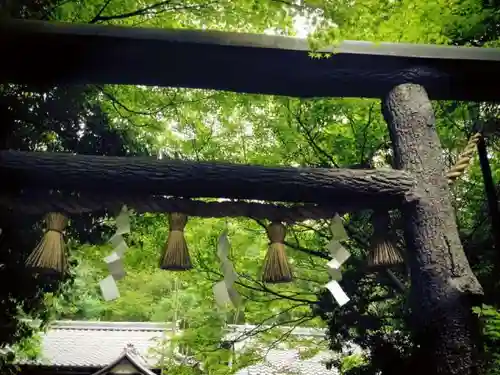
(49, 257)
(276, 266)
(382, 253)
(176, 255)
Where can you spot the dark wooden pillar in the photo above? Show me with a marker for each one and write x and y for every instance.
(5, 120)
(442, 282)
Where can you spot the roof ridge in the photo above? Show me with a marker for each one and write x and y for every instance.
(130, 353)
(96, 325)
(99, 325)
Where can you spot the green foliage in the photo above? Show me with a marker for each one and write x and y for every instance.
(148, 293)
(205, 125)
(201, 342)
(28, 348)
(446, 21)
(75, 119)
(490, 319)
(243, 15)
(351, 362)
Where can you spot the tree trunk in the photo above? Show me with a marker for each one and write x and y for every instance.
(442, 281)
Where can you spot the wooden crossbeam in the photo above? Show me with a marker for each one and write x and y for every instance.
(39, 202)
(357, 189)
(83, 54)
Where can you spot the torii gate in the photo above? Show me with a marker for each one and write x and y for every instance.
(404, 76)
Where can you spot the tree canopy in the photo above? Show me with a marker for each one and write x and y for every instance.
(204, 125)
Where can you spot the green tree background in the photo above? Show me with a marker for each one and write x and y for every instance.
(205, 125)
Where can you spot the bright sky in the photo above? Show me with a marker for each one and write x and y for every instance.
(302, 26)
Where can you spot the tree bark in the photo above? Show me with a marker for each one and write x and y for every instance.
(441, 279)
(119, 175)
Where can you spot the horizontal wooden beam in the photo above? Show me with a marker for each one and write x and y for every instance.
(358, 189)
(40, 202)
(83, 54)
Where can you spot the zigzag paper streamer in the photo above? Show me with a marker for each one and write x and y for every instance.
(337, 292)
(115, 266)
(119, 244)
(223, 246)
(334, 273)
(121, 249)
(123, 221)
(221, 294)
(339, 256)
(109, 289)
(230, 275)
(116, 239)
(114, 261)
(337, 229)
(235, 297)
(338, 252)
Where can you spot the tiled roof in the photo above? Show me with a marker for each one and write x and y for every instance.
(133, 357)
(288, 362)
(97, 344)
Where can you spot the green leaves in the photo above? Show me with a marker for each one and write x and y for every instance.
(206, 125)
(351, 362)
(245, 15)
(389, 21)
(490, 318)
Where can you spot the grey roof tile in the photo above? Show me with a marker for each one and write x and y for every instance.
(288, 362)
(97, 344)
(133, 357)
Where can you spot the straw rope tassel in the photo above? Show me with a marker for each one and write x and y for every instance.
(176, 256)
(276, 266)
(49, 256)
(464, 159)
(382, 249)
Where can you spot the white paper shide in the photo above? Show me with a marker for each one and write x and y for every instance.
(109, 289)
(339, 256)
(221, 294)
(337, 292)
(115, 265)
(338, 253)
(224, 291)
(337, 228)
(114, 261)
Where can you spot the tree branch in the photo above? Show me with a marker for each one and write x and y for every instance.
(148, 9)
(316, 253)
(263, 288)
(365, 130)
(137, 12)
(309, 138)
(120, 104)
(96, 17)
(255, 331)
